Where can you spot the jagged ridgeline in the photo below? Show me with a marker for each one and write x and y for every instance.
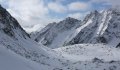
(10, 25)
(103, 27)
(55, 34)
(97, 27)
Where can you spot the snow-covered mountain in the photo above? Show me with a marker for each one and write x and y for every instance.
(102, 27)
(97, 27)
(19, 52)
(55, 34)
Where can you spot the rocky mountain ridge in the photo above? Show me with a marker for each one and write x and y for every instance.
(56, 31)
(97, 27)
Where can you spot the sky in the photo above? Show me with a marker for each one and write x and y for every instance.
(36, 14)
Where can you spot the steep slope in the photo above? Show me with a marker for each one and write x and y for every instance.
(14, 39)
(10, 26)
(55, 34)
(103, 27)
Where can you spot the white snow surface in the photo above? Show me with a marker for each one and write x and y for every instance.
(11, 61)
(19, 52)
(87, 52)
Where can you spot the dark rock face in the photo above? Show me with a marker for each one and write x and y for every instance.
(118, 46)
(102, 40)
(10, 25)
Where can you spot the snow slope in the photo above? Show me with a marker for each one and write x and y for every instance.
(19, 52)
(90, 57)
(15, 39)
(11, 61)
(87, 52)
(55, 34)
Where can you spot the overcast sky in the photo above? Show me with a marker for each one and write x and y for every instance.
(34, 14)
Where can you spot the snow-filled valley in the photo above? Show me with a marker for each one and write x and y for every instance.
(21, 51)
(87, 52)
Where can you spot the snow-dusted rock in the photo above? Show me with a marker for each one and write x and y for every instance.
(15, 45)
(55, 34)
(103, 27)
(19, 52)
(97, 27)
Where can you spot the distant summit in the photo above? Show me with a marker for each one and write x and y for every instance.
(96, 27)
(55, 34)
(101, 27)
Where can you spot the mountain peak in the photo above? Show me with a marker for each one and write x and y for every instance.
(57, 31)
(95, 12)
(100, 27)
(71, 19)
